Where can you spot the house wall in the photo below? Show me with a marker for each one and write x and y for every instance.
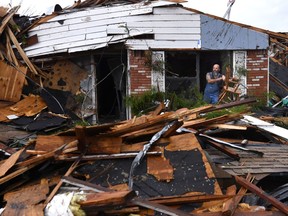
(140, 72)
(219, 34)
(256, 63)
(258, 69)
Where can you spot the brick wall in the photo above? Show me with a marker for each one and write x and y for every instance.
(257, 77)
(140, 73)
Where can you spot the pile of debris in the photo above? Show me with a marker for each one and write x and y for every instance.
(161, 162)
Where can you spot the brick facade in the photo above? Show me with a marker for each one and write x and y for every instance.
(140, 73)
(257, 77)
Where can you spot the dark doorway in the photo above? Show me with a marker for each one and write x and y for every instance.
(208, 59)
(111, 88)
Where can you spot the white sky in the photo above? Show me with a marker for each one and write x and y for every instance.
(266, 14)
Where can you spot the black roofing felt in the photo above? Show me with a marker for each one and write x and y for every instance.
(189, 175)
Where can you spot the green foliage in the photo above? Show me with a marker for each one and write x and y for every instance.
(81, 123)
(232, 110)
(149, 100)
(79, 98)
(144, 102)
(262, 101)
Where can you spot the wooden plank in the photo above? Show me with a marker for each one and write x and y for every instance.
(10, 53)
(145, 44)
(83, 184)
(29, 106)
(228, 126)
(108, 199)
(116, 29)
(259, 192)
(10, 162)
(59, 184)
(21, 52)
(7, 18)
(224, 149)
(17, 204)
(49, 143)
(229, 204)
(188, 198)
(68, 157)
(159, 208)
(28, 166)
(82, 138)
(11, 82)
(183, 142)
(161, 119)
(158, 109)
(103, 145)
(176, 36)
(109, 10)
(97, 32)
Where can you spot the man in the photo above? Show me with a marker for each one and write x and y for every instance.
(214, 85)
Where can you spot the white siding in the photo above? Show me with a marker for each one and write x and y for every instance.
(93, 28)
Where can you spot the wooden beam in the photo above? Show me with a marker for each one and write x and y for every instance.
(107, 199)
(229, 204)
(21, 51)
(224, 149)
(11, 161)
(56, 188)
(7, 18)
(188, 198)
(242, 191)
(253, 188)
(159, 208)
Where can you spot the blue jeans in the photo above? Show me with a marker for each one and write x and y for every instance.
(211, 98)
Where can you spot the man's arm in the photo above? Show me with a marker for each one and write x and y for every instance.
(210, 80)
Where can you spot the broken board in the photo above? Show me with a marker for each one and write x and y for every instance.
(11, 82)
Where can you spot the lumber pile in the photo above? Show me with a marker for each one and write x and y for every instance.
(148, 164)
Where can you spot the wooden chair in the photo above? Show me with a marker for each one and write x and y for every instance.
(230, 91)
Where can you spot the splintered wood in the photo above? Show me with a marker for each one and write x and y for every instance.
(11, 82)
(173, 173)
(29, 106)
(26, 201)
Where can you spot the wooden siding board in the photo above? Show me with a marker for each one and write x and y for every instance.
(173, 10)
(90, 20)
(99, 32)
(183, 37)
(89, 28)
(219, 35)
(114, 29)
(166, 24)
(67, 40)
(44, 51)
(107, 10)
(147, 44)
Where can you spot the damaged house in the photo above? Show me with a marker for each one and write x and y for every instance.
(103, 52)
(84, 61)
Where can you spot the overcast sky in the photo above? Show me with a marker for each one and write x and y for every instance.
(266, 14)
